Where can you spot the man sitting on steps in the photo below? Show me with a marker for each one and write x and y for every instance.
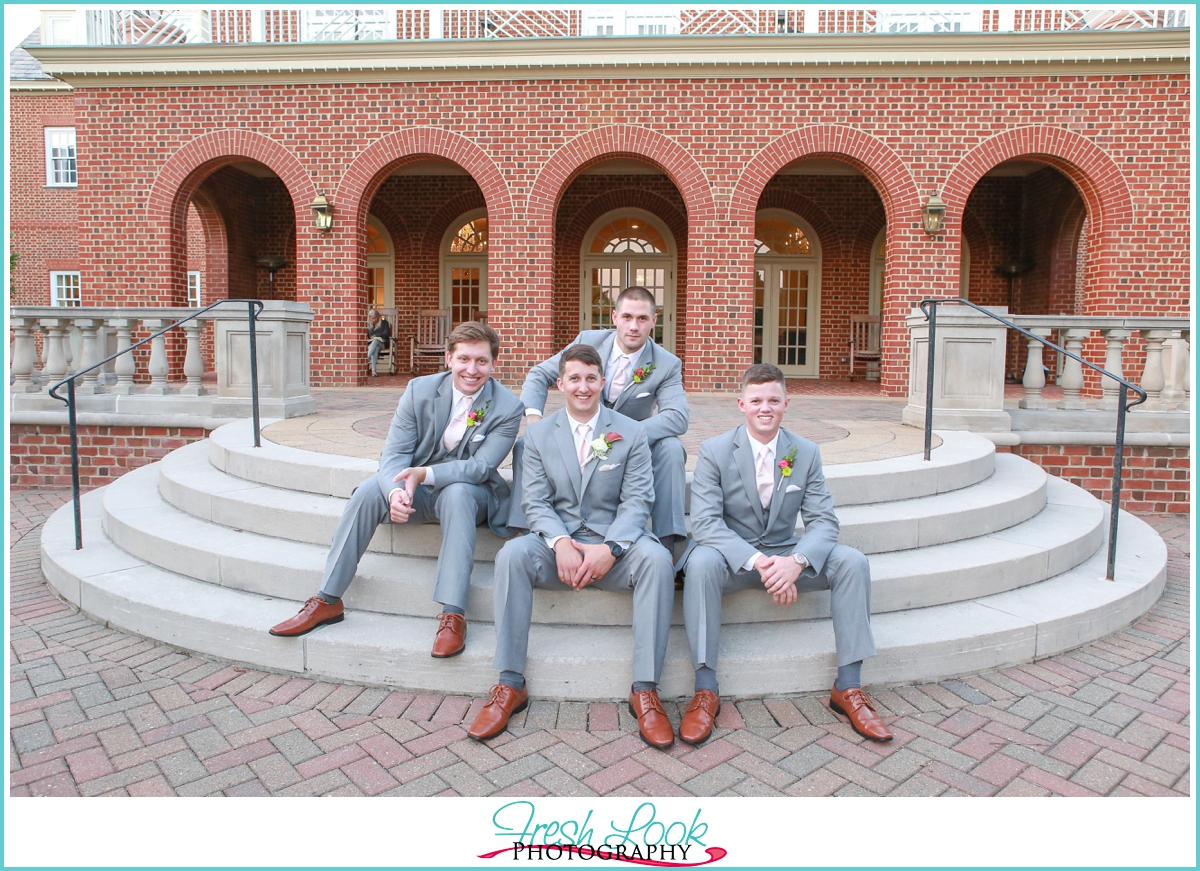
(449, 434)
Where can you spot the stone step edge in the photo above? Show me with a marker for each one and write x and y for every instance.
(961, 460)
(189, 482)
(921, 645)
(251, 562)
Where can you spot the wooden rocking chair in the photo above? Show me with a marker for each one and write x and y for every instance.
(433, 326)
(865, 342)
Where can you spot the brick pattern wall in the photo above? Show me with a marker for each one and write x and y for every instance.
(1156, 480)
(524, 142)
(41, 455)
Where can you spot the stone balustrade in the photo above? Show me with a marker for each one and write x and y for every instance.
(76, 338)
(970, 362)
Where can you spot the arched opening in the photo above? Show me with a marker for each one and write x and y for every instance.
(621, 221)
(624, 248)
(464, 267)
(787, 293)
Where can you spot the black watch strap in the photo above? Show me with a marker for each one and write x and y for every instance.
(616, 549)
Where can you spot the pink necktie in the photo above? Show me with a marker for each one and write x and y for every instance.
(585, 436)
(620, 379)
(458, 424)
(765, 476)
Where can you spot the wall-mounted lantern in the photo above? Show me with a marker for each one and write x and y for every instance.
(322, 213)
(933, 215)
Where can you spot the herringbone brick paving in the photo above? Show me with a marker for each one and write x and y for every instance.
(99, 712)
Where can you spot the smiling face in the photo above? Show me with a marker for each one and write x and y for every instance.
(634, 320)
(471, 365)
(763, 405)
(582, 384)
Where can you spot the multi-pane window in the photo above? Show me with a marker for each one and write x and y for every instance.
(64, 288)
(193, 288)
(465, 271)
(60, 157)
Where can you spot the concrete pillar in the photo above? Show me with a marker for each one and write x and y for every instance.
(1035, 372)
(1071, 379)
(1115, 340)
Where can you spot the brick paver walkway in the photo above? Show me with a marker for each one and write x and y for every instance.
(100, 712)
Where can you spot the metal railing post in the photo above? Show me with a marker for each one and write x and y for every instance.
(74, 464)
(1118, 466)
(254, 377)
(929, 381)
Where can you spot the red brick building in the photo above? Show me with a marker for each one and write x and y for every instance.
(765, 173)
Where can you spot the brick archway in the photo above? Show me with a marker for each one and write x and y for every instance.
(587, 149)
(1092, 171)
(186, 170)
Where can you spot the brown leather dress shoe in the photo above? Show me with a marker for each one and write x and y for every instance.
(316, 612)
(856, 706)
(451, 636)
(699, 718)
(652, 719)
(493, 719)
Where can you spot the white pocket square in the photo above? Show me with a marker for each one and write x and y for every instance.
(640, 395)
(478, 438)
(792, 488)
(608, 468)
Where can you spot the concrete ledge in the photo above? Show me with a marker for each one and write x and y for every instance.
(87, 418)
(1046, 437)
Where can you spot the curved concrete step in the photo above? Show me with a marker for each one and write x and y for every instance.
(139, 521)
(581, 662)
(1015, 493)
(962, 459)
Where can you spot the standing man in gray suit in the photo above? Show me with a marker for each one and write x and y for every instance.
(642, 381)
(587, 498)
(748, 487)
(449, 434)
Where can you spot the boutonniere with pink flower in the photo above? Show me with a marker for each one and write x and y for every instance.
(476, 416)
(601, 446)
(786, 465)
(641, 373)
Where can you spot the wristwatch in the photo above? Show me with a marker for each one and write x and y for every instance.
(616, 549)
(801, 560)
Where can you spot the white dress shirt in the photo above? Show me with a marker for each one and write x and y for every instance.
(614, 364)
(455, 400)
(592, 436)
(758, 447)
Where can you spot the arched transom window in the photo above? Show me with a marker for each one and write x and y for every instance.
(779, 236)
(375, 241)
(628, 236)
(381, 280)
(471, 238)
(464, 268)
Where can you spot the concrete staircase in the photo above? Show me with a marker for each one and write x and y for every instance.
(978, 560)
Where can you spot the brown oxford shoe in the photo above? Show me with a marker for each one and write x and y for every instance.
(503, 703)
(700, 717)
(451, 636)
(316, 612)
(652, 719)
(856, 706)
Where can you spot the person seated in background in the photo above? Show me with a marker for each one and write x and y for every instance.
(379, 336)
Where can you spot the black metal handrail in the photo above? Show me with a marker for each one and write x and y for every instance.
(254, 307)
(929, 308)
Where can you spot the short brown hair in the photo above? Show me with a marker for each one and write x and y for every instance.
(764, 373)
(636, 292)
(473, 331)
(584, 354)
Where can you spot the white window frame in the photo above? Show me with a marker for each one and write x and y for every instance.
(56, 299)
(51, 181)
(448, 261)
(193, 282)
(53, 17)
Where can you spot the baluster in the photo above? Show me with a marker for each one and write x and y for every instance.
(1071, 380)
(193, 362)
(1035, 371)
(158, 360)
(1115, 346)
(124, 366)
(89, 355)
(24, 355)
(55, 368)
(1172, 393)
(1152, 374)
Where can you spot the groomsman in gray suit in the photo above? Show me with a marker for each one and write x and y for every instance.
(587, 499)
(748, 488)
(642, 381)
(449, 434)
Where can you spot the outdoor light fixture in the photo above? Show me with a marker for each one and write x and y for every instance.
(322, 213)
(933, 215)
(272, 264)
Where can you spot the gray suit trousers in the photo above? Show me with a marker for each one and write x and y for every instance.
(458, 507)
(847, 575)
(644, 570)
(669, 500)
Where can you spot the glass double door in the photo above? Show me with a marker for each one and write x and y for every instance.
(605, 278)
(786, 317)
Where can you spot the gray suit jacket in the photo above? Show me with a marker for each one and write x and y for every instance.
(610, 497)
(415, 439)
(727, 513)
(662, 387)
